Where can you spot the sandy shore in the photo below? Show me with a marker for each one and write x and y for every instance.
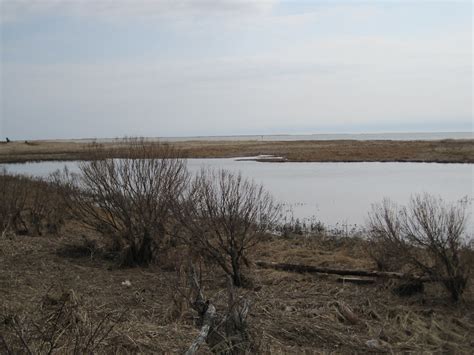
(441, 151)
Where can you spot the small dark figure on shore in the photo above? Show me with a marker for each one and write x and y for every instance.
(8, 141)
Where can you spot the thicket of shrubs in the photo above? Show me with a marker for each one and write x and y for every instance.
(30, 206)
(147, 200)
(130, 199)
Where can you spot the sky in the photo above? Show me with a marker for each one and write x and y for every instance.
(114, 68)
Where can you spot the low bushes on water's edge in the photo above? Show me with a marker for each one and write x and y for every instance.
(145, 205)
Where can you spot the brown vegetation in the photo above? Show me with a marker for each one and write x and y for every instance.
(29, 206)
(225, 332)
(428, 235)
(66, 293)
(129, 199)
(224, 215)
(288, 312)
(446, 151)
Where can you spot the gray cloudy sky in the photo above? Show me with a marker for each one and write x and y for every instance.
(103, 68)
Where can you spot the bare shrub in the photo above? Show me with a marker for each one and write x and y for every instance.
(13, 196)
(224, 216)
(129, 199)
(428, 235)
(29, 205)
(45, 212)
(385, 255)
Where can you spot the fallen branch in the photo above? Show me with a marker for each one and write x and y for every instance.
(224, 333)
(206, 311)
(207, 325)
(6, 229)
(344, 272)
(356, 280)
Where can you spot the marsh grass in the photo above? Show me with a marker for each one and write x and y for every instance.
(289, 312)
(63, 291)
(443, 151)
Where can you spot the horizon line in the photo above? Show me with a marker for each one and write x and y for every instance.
(251, 135)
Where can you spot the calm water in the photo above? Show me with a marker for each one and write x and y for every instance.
(335, 193)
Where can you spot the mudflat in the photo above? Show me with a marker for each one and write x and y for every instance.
(441, 151)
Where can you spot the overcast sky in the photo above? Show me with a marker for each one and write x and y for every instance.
(110, 68)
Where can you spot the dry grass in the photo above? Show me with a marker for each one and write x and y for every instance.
(290, 313)
(305, 310)
(447, 151)
(338, 150)
(30, 268)
(41, 150)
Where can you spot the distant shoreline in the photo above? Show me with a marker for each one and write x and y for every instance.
(404, 136)
(434, 151)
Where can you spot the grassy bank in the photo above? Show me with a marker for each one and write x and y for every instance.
(442, 151)
(289, 312)
(131, 256)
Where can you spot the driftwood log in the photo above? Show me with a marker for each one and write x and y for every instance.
(225, 331)
(206, 311)
(208, 323)
(299, 268)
